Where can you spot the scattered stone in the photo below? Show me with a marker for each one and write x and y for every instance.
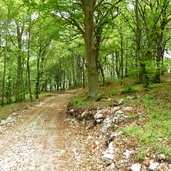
(98, 117)
(127, 108)
(120, 101)
(123, 161)
(153, 165)
(3, 122)
(110, 167)
(115, 134)
(119, 113)
(130, 97)
(169, 166)
(85, 113)
(115, 108)
(108, 155)
(72, 110)
(136, 167)
(127, 153)
(107, 123)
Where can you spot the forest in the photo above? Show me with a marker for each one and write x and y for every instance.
(105, 52)
(58, 45)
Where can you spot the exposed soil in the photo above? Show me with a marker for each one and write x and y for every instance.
(41, 138)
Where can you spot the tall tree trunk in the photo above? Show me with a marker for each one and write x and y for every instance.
(4, 74)
(19, 85)
(138, 43)
(113, 67)
(93, 85)
(38, 76)
(28, 62)
(117, 64)
(83, 74)
(121, 54)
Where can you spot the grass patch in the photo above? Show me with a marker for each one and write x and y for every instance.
(128, 90)
(153, 130)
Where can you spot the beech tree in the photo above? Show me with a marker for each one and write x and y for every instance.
(88, 29)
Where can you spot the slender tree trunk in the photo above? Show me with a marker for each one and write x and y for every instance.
(4, 74)
(83, 74)
(126, 60)
(28, 62)
(117, 64)
(98, 37)
(138, 43)
(113, 66)
(19, 85)
(121, 55)
(38, 76)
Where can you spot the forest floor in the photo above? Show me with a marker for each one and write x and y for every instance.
(127, 129)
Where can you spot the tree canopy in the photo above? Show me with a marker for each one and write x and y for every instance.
(55, 44)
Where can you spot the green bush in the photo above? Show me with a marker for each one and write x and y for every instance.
(128, 90)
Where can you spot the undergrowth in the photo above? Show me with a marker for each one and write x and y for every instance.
(152, 129)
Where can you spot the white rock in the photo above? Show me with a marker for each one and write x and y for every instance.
(108, 155)
(3, 122)
(110, 146)
(72, 110)
(110, 167)
(84, 113)
(153, 165)
(119, 113)
(127, 153)
(116, 108)
(107, 123)
(136, 167)
(121, 101)
(128, 108)
(130, 97)
(123, 161)
(170, 166)
(115, 134)
(98, 117)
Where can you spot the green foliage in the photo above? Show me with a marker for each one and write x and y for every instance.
(76, 101)
(165, 151)
(111, 92)
(152, 130)
(141, 154)
(127, 90)
(132, 129)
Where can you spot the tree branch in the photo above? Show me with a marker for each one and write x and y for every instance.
(108, 11)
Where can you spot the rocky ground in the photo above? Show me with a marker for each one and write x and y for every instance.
(116, 151)
(42, 137)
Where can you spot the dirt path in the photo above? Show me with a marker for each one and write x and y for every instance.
(41, 139)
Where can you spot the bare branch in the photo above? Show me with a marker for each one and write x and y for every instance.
(108, 11)
(97, 6)
(74, 22)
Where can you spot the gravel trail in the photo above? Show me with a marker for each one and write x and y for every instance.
(41, 138)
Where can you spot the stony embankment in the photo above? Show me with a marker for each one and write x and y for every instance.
(110, 147)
